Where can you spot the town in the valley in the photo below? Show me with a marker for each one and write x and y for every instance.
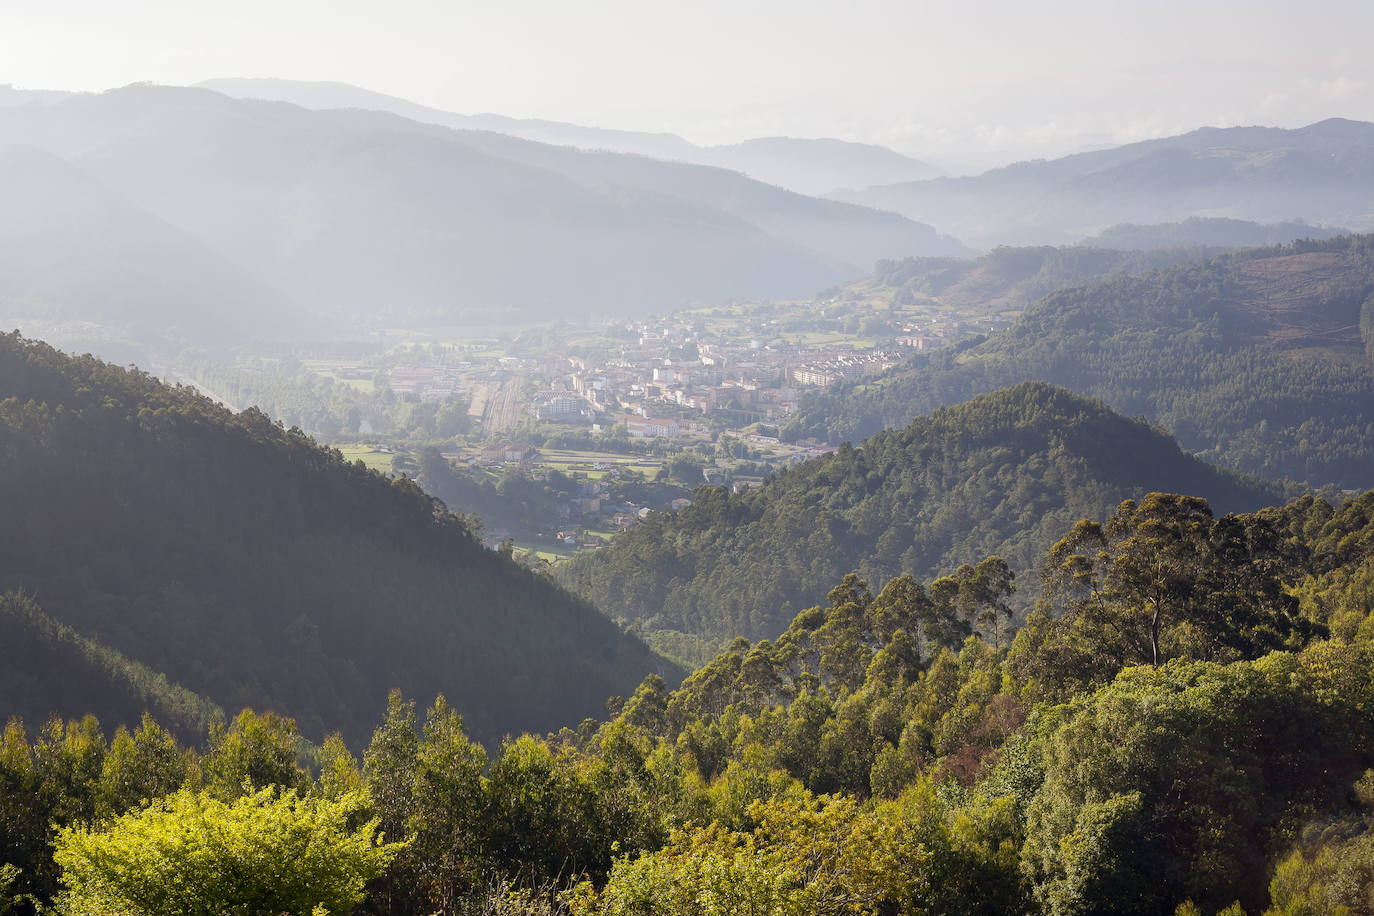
(614, 419)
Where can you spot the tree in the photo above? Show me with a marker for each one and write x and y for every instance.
(257, 749)
(11, 899)
(269, 852)
(1163, 579)
(1174, 783)
(1334, 875)
(389, 770)
(141, 766)
(446, 823)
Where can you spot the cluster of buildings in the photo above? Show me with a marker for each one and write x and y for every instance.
(669, 379)
(429, 383)
(823, 373)
(655, 385)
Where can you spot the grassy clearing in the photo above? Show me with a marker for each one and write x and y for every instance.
(569, 460)
(543, 551)
(374, 459)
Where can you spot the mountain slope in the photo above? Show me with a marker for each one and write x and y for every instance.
(1005, 473)
(356, 214)
(1321, 173)
(1256, 360)
(256, 568)
(327, 94)
(1008, 279)
(48, 669)
(1208, 232)
(802, 165)
(74, 252)
(846, 233)
(818, 166)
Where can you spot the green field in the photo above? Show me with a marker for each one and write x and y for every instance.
(374, 459)
(543, 551)
(567, 461)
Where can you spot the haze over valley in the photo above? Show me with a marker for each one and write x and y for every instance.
(624, 460)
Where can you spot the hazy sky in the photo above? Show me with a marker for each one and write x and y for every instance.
(948, 80)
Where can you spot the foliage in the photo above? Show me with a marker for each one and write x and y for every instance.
(1015, 276)
(878, 756)
(1176, 783)
(1192, 348)
(270, 852)
(1003, 474)
(512, 500)
(327, 408)
(47, 667)
(1160, 579)
(1332, 870)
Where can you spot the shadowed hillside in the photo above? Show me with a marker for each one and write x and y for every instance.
(258, 569)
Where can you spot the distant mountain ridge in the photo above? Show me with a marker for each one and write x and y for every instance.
(1321, 173)
(366, 216)
(1004, 473)
(802, 165)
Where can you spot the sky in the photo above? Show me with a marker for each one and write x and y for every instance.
(967, 84)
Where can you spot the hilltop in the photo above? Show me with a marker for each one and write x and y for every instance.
(807, 166)
(1007, 279)
(1003, 474)
(1208, 232)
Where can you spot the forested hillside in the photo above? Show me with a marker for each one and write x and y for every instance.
(47, 668)
(1002, 475)
(1006, 279)
(1256, 361)
(1208, 232)
(1187, 728)
(254, 567)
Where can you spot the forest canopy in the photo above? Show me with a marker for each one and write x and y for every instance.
(890, 752)
(1256, 361)
(1003, 474)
